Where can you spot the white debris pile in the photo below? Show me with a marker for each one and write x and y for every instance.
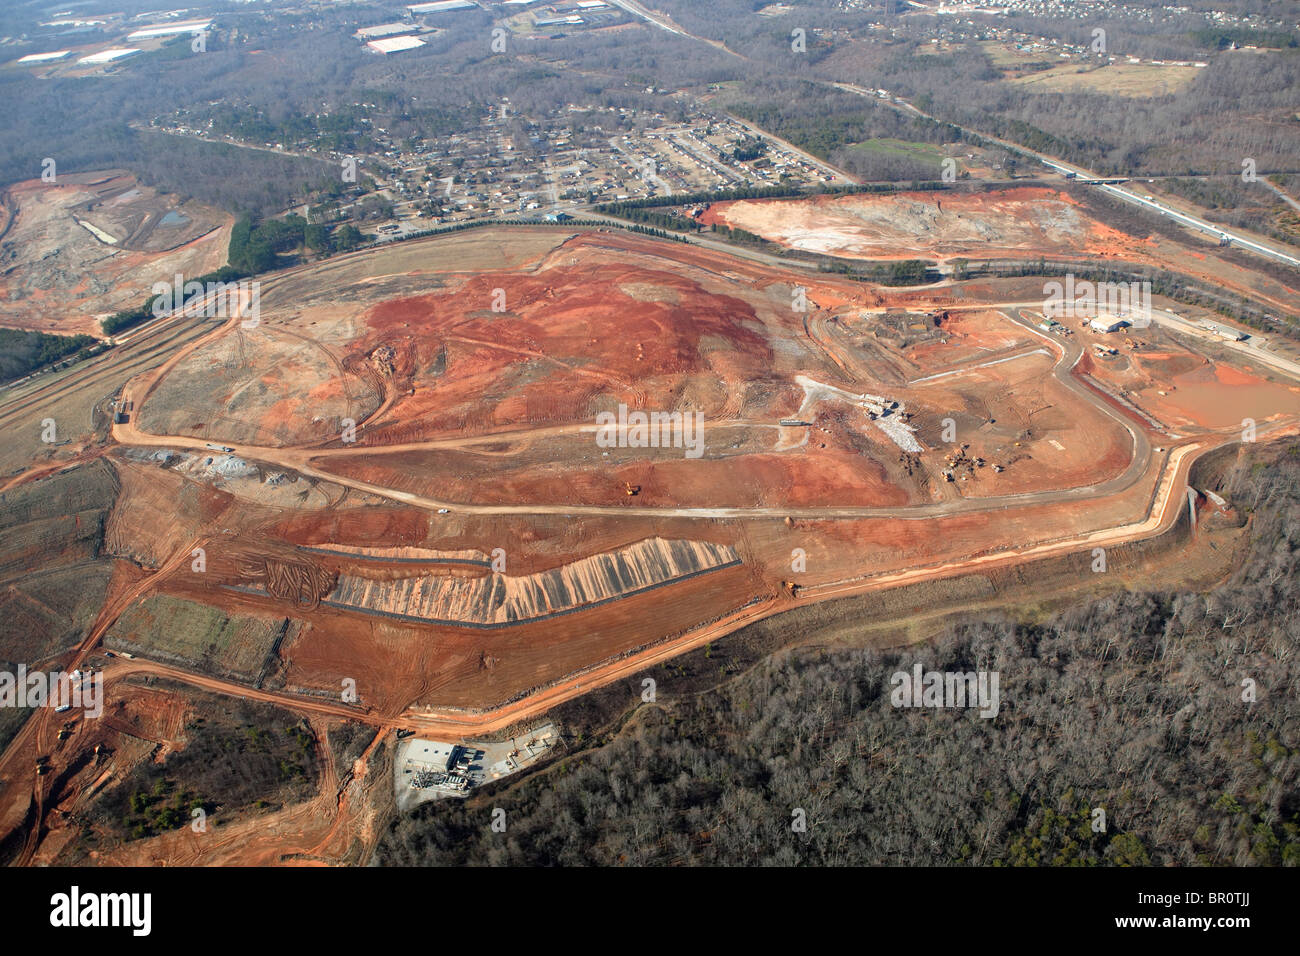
(885, 413)
(900, 433)
(217, 466)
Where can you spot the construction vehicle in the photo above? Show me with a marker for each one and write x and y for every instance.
(630, 489)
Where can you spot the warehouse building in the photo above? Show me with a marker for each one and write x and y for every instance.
(383, 30)
(439, 6)
(1106, 323)
(388, 45)
(170, 29)
(107, 56)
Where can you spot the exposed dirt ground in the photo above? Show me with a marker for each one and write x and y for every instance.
(475, 558)
(905, 225)
(77, 250)
(1016, 222)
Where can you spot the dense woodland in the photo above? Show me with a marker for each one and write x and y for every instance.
(240, 755)
(1231, 201)
(22, 352)
(1132, 704)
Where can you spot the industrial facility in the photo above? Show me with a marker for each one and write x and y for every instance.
(1106, 323)
(388, 45)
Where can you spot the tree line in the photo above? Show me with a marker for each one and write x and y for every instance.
(22, 352)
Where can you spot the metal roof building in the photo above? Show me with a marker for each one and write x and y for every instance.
(108, 56)
(439, 6)
(1107, 324)
(383, 30)
(395, 44)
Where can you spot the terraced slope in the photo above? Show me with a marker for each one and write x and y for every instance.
(497, 600)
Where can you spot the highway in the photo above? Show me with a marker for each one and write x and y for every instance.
(661, 22)
(1119, 192)
(1199, 224)
(1252, 348)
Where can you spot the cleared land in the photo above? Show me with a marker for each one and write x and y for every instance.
(77, 250)
(1006, 223)
(475, 389)
(1116, 79)
(470, 556)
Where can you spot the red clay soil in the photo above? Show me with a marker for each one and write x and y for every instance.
(1026, 220)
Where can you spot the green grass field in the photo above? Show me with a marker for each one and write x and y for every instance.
(179, 631)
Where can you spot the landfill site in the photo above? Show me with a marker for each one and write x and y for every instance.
(393, 515)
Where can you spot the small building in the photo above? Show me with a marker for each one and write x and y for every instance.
(433, 754)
